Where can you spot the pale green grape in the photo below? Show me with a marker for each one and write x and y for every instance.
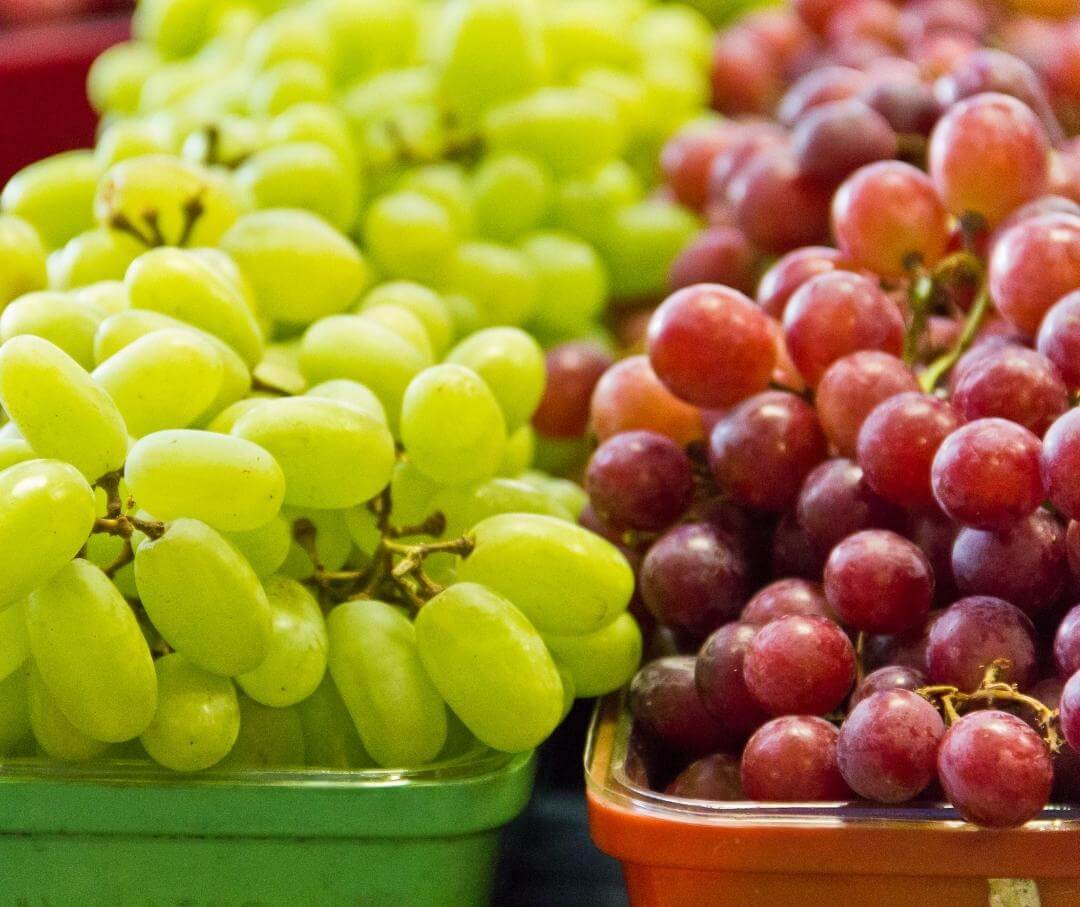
(175, 28)
(333, 543)
(460, 742)
(280, 367)
(226, 267)
(166, 188)
(411, 492)
(573, 282)
(268, 738)
(91, 257)
(572, 130)
(55, 196)
(643, 241)
(184, 286)
(330, 737)
(498, 279)
(319, 123)
(486, 52)
(410, 235)
(225, 481)
(111, 296)
(224, 421)
(403, 323)
(286, 84)
(677, 88)
(422, 302)
(227, 140)
(586, 205)
(512, 195)
(363, 528)
(291, 34)
(519, 452)
(91, 653)
(14, 711)
(452, 426)
(56, 317)
(491, 666)
(371, 35)
(59, 409)
(198, 716)
(589, 33)
(384, 93)
(305, 175)
(446, 184)
(675, 31)
(601, 661)
(332, 454)
(204, 598)
(124, 139)
(569, 494)
(117, 75)
(14, 450)
(22, 259)
(466, 505)
(296, 658)
(166, 379)
(57, 736)
(265, 547)
(563, 577)
(376, 668)
(568, 689)
(632, 98)
(14, 641)
(349, 346)
(464, 313)
(300, 268)
(342, 390)
(511, 364)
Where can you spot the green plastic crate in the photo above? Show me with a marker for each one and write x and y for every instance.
(133, 834)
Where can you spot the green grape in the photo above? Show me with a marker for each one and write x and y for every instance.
(185, 286)
(56, 317)
(296, 659)
(111, 296)
(300, 268)
(204, 598)
(175, 28)
(589, 33)
(124, 139)
(384, 93)
(14, 711)
(22, 259)
(565, 579)
(333, 543)
(371, 35)
(291, 34)
(586, 205)
(14, 450)
(446, 184)
(224, 421)
(57, 736)
(280, 369)
(117, 75)
(330, 737)
(519, 452)
(55, 196)
(403, 323)
(561, 456)
(573, 282)
(166, 379)
(675, 31)
(286, 84)
(602, 661)
(511, 364)
(91, 257)
(422, 302)
(411, 492)
(460, 742)
(466, 505)
(14, 641)
(342, 390)
(363, 528)
(452, 426)
(632, 98)
(644, 240)
(319, 123)
(376, 668)
(572, 130)
(198, 716)
(568, 689)
(464, 313)
(305, 175)
(265, 547)
(164, 197)
(677, 89)
(59, 409)
(268, 738)
(487, 51)
(224, 265)
(332, 454)
(491, 666)
(512, 195)
(498, 279)
(410, 235)
(225, 481)
(91, 654)
(226, 140)
(569, 494)
(175, 86)
(349, 346)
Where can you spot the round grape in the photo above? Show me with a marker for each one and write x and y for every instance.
(972, 634)
(629, 396)
(790, 272)
(720, 680)
(573, 370)
(785, 597)
(715, 777)
(890, 677)
(1014, 383)
(793, 759)
(665, 704)
(1059, 339)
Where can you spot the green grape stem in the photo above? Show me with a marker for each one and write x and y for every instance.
(941, 366)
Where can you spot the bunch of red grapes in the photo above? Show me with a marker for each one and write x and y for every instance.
(856, 497)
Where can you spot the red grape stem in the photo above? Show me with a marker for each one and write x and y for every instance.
(952, 701)
(940, 366)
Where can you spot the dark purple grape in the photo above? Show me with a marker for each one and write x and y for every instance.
(665, 704)
(785, 597)
(835, 139)
(715, 777)
(935, 534)
(573, 369)
(890, 677)
(1067, 643)
(720, 681)
(887, 749)
(1070, 711)
(908, 105)
(793, 759)
(975, 632)
(792, 553)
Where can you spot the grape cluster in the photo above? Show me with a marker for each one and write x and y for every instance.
(852, 501)
(270, 359)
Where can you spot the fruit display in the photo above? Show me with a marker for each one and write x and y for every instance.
(844, 461)
(270, 358)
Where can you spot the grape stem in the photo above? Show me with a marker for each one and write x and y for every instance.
(940, 366)
(125, 557)
(127, 525)
(920, 297)
(860, 652)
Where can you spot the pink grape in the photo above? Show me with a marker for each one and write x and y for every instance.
(1061, 463)
(716, 255)
(1059, 338)
(828, 83)
(785, 597)
(629, 397)
(793, 759)
(790, 272)
(1014, 383)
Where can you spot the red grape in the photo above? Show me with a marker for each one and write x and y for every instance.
(753, 138)
(908, 105)
(790, 272)
(965, 17)
(834, 139)
(890, 677)
(785, 597)
(1061, 463)
(995, 769)
(828, 83)
(720, 681)
(744, 75)
(629, 397)
(793, 759)
(1070, 711)
(715, 777)
(711, 346)
(792, 554)
(687, 157)
(1014, 383)
(573, 369)
(973, 633)
(762, 450)
(1059, 339)
(665, 703)
(716, 255)
(1067, 643)
(799, 665)
(876, 20)
(935, 535)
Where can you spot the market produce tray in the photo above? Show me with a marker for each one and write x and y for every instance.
(121, 834)
(676, 851)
